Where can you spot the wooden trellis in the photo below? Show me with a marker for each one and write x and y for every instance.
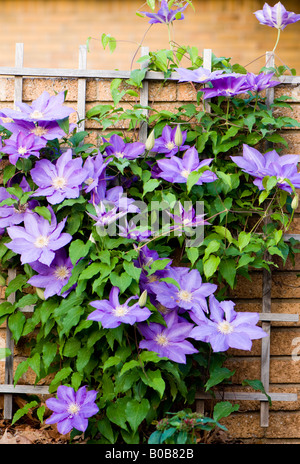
(266, 316)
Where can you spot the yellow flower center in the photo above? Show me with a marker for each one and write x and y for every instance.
(119, 154)
(89, 181)
(73, 409)
(120, 311)
(162, 340)
(36, 115)
(41, 241)
(59, 183)
(225, 327)
(152, 279)
(39, 131)
(61, 272)
(185, 173)
(170, 145)
(184, 295)
(22, 150)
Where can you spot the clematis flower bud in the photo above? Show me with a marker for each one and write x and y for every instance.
(295, 202)
(178, 137)
(143, 299)
(150, 141)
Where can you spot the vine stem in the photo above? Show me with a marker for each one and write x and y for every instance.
(277, 40)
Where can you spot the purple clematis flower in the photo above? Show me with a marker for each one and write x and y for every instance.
(131, 231)
(111, 313)
(276, 16)
(186, 218)
(120, 149)
(164, 15)
(44, 108)
(191, 294)
(11, 215)
(177, 170)
(257, 83)
(200, 75)
(117, 198)
(225, 328)
(54, 277)
(38, 239)
(47, 130)
(59, 181)
(270, 164)
(95, 168)
(226, 86)
(104, 217)
(166, 143)
(168, 342)
(72, 409)
(22, 146)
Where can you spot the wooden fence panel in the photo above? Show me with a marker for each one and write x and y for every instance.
(266, 316)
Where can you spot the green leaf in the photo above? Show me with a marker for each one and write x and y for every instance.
(44, 212)
(16, 323)
(49, 353)
(129, 365)
(23, 411)
(192, 254)
(116, 412)
(63, 374)
(227, 268)
(217, 376)
(132, 270)
(224, 409)
(154, 380)
(122, 281)
(258, 386)
(106, 430)
(16, 284)
(224, 232)
(78, 249)
(211, 265)
(243, 240)
(4, 352)
(136, 412)
(150, 185)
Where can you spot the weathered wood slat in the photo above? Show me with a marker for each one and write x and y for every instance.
(24, 389)
(9, 370)
(144, 100)
(244, 396)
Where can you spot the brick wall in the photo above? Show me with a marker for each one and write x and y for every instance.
(52, 31)
(284, 424)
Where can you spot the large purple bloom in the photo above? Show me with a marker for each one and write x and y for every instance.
(22, 146)
(38, 239)
(11, 215)
(200, 75)
(118, 148)
(95, 171)
(44, 108)
(111, 313)
(47, 130)
(54, 277)
(61, 180)
(191, 294)
(166, 143)
(168, 342)
(225, 328)
(269, 164)
(72, 409)
(164, 15)
(257, 83)
(177, 170)
(276, 16)
(226, 86)
(184, 219)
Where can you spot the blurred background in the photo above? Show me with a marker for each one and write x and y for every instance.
(52, 31)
